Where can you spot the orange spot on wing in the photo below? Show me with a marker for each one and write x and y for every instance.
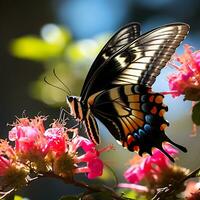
(154, 110)
(163, 126)
(162, 112)
(159, 99)
(151, 98)
(130, 139)
(136, 148)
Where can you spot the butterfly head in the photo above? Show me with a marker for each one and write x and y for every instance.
(74, 104)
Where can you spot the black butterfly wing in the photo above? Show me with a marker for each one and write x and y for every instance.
(121, 38)
(137, 62)
(134, 116)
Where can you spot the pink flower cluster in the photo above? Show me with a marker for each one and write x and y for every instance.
(149, 167)
(7, 157)
(94, 166)
(49, 150)
(192, 191)
(188, 75)
(4, 165)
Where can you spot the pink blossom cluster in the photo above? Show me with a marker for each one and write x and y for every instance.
(48, 150)
(7, 157)
(148, 168)
(192, 191)
(188, 75)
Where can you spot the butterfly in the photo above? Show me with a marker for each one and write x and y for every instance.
(117, 89)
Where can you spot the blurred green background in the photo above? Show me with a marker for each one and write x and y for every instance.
(37, 36)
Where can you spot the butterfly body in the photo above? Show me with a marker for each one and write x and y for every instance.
(76, 108)
(117, 89)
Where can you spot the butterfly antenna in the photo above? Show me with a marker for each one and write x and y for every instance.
(69, 91)
(55, 86)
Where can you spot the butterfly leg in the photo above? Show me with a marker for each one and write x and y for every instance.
(63, 116)
(66, 119)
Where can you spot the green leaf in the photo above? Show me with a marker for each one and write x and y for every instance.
(69, 198)
(196, 114)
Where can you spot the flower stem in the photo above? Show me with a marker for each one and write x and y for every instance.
(89, 188)
(6, 194)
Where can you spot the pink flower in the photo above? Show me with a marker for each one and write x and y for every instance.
(7, 157)
(30, 136)
(94, 166)
(55, 141)
(192, 191)
(93, 169)
(188, 75)
(28, 140)
(5, 164)
(149, 167)
(7, 150)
